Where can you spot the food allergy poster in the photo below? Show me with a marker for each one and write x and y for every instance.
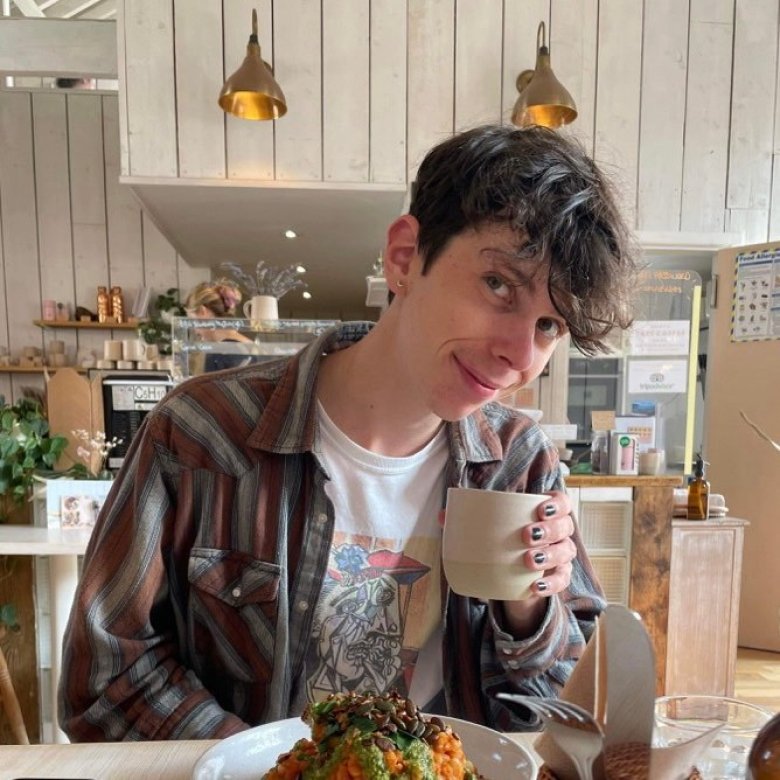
(755, 309)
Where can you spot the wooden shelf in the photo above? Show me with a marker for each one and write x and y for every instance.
(87, 325)
(34, 370)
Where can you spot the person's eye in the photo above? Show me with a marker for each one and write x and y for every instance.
(498, 286)
(550, 328)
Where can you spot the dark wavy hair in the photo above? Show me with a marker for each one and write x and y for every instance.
(553, 195)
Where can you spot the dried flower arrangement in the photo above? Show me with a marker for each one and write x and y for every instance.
(267, 280)
(93, 453)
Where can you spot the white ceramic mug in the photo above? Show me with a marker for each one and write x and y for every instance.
(261, 307)
(482, 551)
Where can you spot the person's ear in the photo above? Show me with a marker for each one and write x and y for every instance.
(400, 251)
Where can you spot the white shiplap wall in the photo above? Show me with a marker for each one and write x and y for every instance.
(66, 224)
(677, 98)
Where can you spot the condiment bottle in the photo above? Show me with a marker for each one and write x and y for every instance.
(764, 758)
(698, 492)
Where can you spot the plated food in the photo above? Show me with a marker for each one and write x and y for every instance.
(372, 737)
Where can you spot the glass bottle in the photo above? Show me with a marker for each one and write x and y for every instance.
(598, 452)
(698, 492)
(764, 758)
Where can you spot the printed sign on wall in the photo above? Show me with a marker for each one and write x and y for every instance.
(657, 376)
(755, 308)
(659, 337)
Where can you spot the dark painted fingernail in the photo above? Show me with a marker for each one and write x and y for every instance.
(537, 533)
(539, 557)
(541, 585)
(549, 510)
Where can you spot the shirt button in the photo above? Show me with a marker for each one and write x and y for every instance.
(322, 518)
(302, 606)
(236, 593)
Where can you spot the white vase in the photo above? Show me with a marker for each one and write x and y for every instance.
(261, 307)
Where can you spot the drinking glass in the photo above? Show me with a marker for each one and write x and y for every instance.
(680, 718)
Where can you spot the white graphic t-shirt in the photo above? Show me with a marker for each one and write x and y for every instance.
(377, 624)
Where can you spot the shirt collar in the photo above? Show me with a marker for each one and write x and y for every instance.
(288, 422)
(474, 440)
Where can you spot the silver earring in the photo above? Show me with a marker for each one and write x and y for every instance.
(400, 283)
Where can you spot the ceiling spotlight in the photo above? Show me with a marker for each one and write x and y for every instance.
(301, 269)
(290, 234)
(306, 294)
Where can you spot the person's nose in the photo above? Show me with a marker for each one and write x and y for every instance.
(516, 346)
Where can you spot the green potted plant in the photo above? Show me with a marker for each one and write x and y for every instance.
(26, 449)
(157, 329)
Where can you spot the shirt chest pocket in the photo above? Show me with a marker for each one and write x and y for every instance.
(233, 609)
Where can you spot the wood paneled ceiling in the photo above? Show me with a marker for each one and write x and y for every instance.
(64, 9)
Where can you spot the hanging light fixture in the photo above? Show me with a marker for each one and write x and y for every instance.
(543, 99)
(252, 92)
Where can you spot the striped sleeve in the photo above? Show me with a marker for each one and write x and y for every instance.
(122, 677)
(541, 664)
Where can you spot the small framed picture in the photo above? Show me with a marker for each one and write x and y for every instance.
(75, 503)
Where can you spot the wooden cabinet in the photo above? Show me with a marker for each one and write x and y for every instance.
(683, 577)
(704, 590)
(647, 505)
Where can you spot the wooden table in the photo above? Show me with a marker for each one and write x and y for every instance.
(119, 761)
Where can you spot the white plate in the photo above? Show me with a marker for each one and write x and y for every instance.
(250, 754)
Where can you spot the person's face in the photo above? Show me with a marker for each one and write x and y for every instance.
(479, 322)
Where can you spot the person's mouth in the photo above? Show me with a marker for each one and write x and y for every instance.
(480, 384)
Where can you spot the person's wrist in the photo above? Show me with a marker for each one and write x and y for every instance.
(521, 619)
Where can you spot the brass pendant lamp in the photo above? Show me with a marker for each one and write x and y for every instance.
(252, 92)
(543, 99)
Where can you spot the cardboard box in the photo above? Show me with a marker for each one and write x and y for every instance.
(74, 402)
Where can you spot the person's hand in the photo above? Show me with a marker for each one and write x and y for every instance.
(550, 552)
(550, 547)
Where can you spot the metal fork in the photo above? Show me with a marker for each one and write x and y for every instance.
(577, 733)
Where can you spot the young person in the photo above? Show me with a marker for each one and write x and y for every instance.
(274, 533)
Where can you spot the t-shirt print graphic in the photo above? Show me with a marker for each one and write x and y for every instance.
(358, 637)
